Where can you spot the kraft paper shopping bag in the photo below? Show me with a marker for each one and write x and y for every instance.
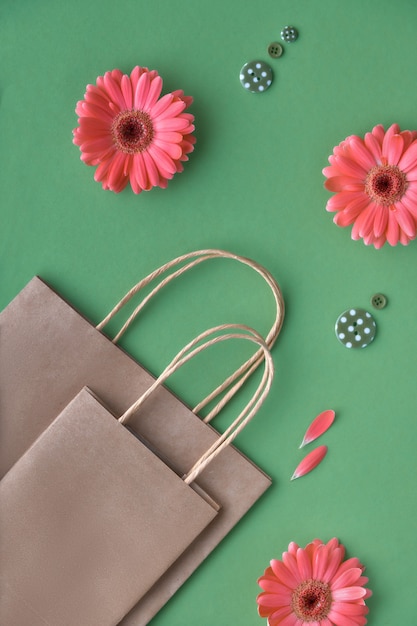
(50, 351)
(90, 517)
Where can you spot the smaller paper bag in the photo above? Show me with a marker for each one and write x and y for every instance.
(90, 518)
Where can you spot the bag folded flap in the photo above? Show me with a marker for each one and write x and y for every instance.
(90, 519)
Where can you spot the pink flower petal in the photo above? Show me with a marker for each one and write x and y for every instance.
(283, 574)
(290, 620)
(347, 216)
(350, 608)
(318, 426)
(408, 160)
(290, 562)
(304, 564)
(393, 229)
(394, 149)
(141, 91)
(171, 149)
(343, 198)
(338, 619)
(394, 129)
(410, 204)
(405, 220)
(374, 147)
(333, 564)
(126, 87)
(356, 149)
(152, 170)
(155, 89)
(273, 599)
(140, 172)
(348, 167)
(162, 161)
(347, 579)
(276, 617)
(320, 561)
(343, 183)
(310, 462)
(348, 594)
(114, 90)
(381, 221)
(275, 587)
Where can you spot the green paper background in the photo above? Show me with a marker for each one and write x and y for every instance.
(253, 186)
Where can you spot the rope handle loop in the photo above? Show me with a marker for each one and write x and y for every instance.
(233, 331)
(187, 262)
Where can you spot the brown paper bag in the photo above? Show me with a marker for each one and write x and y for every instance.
(90, 517)
(49, 352)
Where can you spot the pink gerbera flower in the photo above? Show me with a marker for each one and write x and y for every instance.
(375, 180)
(313, 586)
(132, 134)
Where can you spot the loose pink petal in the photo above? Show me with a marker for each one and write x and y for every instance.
(310, 462)
(318, 426)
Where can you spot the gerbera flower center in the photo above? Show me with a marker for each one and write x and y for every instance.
(385, 184)
(311, 600)
(132, 131)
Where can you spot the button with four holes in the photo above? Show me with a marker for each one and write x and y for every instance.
(355, 328)
(256, 76)
(275, 50)
(289, 34)
(379, 301)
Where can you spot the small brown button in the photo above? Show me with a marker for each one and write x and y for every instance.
(379, 301)
(275, 50)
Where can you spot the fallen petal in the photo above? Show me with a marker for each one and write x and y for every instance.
(318, 426)
(310, 462)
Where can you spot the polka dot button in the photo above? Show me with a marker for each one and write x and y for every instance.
(256, 76)
(275, 50)
(379, 301)
(355, 328)
(289, 34)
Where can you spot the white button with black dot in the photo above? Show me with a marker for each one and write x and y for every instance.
(256, 76)
(355, 328)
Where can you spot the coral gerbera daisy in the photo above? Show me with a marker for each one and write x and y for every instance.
(132, 134)
(313, 586)
(375, 180)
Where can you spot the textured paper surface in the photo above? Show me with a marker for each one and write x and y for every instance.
(90, 519)
(49, 353)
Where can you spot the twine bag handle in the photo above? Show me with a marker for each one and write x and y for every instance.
(235, 331)
(189, 261)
